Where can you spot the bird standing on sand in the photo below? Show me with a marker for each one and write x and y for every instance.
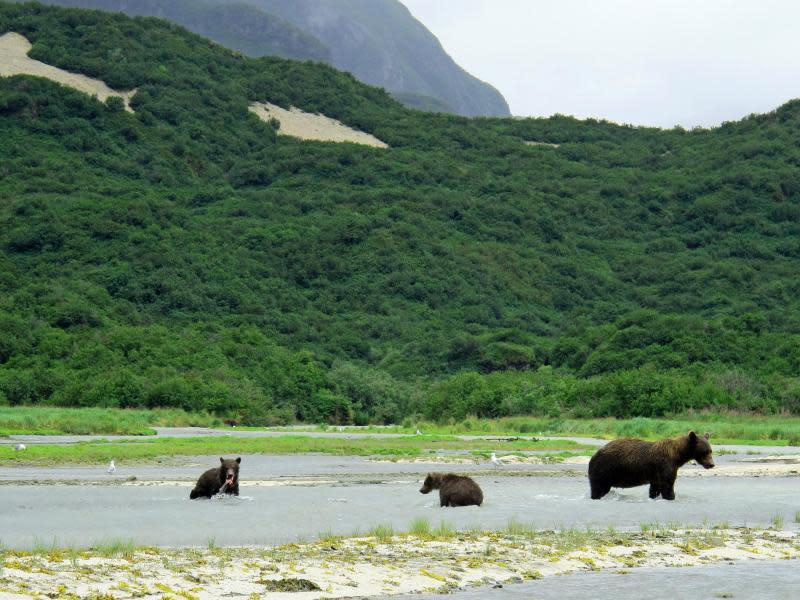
(19, 447)
(496, 461)
(112, 468)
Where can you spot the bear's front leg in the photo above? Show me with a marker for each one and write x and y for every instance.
(655, 490)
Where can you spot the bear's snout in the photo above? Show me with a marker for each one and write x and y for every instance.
(706, 463)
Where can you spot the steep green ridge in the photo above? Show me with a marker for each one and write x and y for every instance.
(378, 41)
(185, 256)
(382, 44)
(236, 25)
(422, 102)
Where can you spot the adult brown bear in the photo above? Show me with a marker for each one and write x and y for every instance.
(630, 462)
(222, 480)
(454, 490)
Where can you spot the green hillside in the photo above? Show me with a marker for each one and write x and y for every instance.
(378, 41)
(237, 25)
(186, 256)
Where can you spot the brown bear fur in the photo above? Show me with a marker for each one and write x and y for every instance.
(223, 479)
(630, 462)
(454, 490)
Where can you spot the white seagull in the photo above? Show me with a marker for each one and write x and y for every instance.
(419, 432)
(19, 447)
(496, 461)
(112, 468)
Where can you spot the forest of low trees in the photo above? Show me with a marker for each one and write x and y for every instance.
(185, 256)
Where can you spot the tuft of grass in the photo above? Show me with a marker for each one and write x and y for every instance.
(420, 527)
(777, 522)
(328, 537)
(383, 533)
(115, 548)
(444, 531)
(797, 517)
(517, 528)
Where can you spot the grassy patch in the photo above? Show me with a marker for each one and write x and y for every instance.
(145, 450)
(724, 427)
(383, 533)
(115, 548)
(20, 420)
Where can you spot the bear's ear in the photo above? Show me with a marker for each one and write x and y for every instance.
(239, 459)
(222, 460)
(707, 435)
(692, 437)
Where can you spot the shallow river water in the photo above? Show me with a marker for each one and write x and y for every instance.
(778, 580)
(290, 498)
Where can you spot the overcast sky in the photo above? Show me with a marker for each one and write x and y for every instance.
(646, 62)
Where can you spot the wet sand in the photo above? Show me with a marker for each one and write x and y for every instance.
(378, 566)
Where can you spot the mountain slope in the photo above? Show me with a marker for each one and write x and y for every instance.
(377, 40)
(236, 25)
(185, 255)
(381, 43)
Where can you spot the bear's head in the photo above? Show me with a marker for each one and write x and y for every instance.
(700, 450)
(229, 471)
(432, 482)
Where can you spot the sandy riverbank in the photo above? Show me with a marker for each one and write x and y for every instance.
(376, 566)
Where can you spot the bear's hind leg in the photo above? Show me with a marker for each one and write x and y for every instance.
(655, 491)
(668, 487)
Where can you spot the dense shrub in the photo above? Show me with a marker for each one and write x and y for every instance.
(186, 256)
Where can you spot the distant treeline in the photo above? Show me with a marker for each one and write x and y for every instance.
(185, 256)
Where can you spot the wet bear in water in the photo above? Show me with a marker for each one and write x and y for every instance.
(454, 490)
(223, 479)
(629, 462)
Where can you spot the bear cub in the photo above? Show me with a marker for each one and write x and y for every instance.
(454, 490)
(630, 462)
(222, 480)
